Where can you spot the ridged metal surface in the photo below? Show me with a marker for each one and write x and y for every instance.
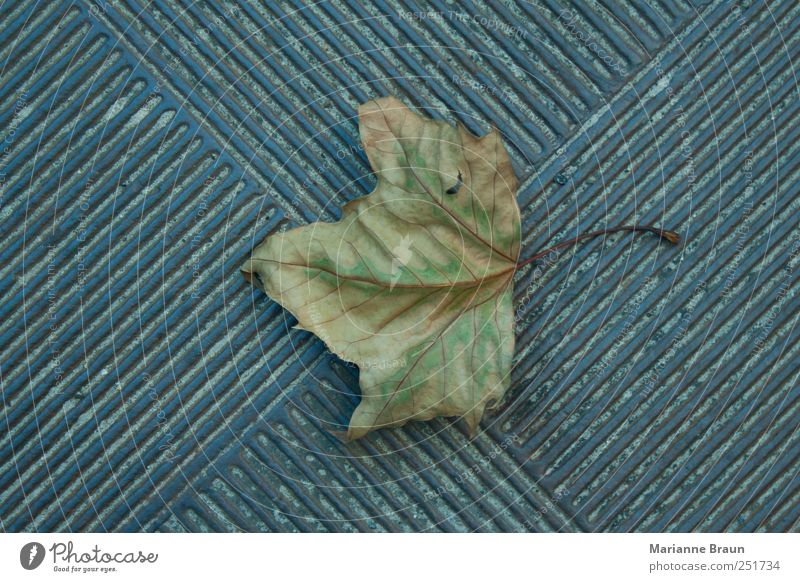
(150, 146)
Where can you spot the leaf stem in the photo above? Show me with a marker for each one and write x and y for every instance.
(668, 235)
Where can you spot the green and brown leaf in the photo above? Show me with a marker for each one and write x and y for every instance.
(414, 283)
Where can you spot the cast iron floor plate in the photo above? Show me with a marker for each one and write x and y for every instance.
(149, 146)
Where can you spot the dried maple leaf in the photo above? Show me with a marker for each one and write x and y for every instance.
(414, 283)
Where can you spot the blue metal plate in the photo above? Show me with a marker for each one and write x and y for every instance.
(148, 147)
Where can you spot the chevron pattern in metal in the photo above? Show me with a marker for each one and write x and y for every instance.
(148, 146)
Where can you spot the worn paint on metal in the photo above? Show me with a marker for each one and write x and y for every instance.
(149, 146)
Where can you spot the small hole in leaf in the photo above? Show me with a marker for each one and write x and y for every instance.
(457, 186)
